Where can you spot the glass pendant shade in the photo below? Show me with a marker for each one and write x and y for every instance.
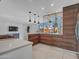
(29, 20)
(33, 17)
(34, 21)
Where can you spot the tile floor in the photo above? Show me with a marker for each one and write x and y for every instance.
(42, 51)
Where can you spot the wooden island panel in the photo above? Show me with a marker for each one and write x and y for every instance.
(51, 39)
(33, 38)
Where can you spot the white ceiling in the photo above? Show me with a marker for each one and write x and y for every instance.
(17, 10)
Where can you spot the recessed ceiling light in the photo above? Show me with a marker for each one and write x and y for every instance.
(42, 8)
(56, 11)
(52, 4)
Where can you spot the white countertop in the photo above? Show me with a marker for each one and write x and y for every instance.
(7, 45)
(46, 33)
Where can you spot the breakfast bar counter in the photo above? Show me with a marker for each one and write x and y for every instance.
(15, 49)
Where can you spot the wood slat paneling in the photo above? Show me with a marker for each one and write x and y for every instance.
(69, 19)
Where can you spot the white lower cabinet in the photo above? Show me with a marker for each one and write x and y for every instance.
(19, 53)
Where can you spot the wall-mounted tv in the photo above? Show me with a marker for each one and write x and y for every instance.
(13, 28)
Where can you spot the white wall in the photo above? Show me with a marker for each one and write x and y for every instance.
(5, 23)
(22, 27)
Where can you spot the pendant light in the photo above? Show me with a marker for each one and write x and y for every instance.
(34, 18)
(38, 20)
(30, 16)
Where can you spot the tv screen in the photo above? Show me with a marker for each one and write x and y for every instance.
(13, 28)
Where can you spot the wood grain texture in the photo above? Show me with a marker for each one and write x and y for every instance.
(6, 37)
(33, 38)
(69, 23)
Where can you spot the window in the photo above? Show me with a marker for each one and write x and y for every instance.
(52, 23)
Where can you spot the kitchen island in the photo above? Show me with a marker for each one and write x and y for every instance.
(53, 40)
(15, 49)
(47, 38)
